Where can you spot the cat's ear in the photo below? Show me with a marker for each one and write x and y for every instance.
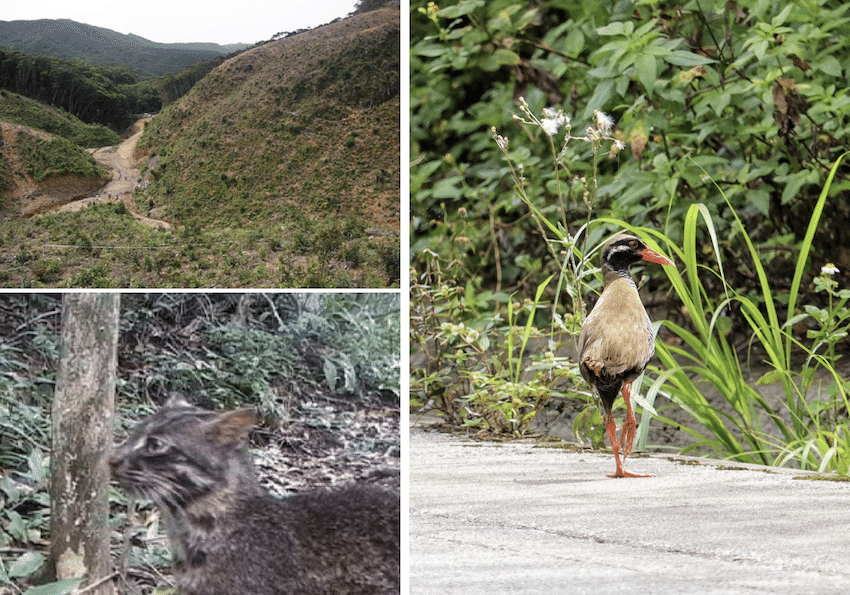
(232, 427)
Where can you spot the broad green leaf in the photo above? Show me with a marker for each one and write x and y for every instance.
(616, 28)
(760, 48)
(62, 587)
(503, 56)
(574, 43)
(26, 564)
(646, 71)
(687, 59)
(460, 9)
(601, 94)
(782, 16)
(760, 199)
(830, 66)
(771, 377)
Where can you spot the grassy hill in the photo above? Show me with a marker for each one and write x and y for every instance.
(279, 169)
(69, 40)
(18, 109)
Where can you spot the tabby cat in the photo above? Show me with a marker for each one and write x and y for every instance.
(229, 537)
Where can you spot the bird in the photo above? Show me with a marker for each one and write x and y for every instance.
(616, 339)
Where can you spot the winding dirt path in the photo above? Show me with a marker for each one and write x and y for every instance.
(125, 179)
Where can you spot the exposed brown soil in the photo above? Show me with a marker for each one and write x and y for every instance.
(69, 194)
(28, 197)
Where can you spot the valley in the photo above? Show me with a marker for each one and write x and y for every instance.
(69, 194)
(120, 161)
(279, 168)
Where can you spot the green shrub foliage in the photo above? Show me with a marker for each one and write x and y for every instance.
(751, 95)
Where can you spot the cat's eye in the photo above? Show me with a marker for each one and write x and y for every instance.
(155, 446)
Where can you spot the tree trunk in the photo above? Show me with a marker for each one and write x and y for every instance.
(82, 437)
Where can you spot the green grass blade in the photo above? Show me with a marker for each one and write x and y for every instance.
(806, 246)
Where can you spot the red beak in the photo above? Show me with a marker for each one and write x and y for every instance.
(653, 256)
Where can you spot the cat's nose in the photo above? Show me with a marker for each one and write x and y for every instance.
(116, 462)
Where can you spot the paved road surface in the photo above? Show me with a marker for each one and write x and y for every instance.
(488, 518)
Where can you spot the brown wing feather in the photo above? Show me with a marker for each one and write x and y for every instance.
(617, 335)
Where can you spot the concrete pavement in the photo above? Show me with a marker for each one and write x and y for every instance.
(520, 519)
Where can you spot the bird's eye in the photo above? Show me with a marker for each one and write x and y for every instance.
(634, 244)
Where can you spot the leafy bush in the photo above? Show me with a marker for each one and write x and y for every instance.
(751, 92)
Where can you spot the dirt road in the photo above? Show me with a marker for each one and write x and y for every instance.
(125, 179)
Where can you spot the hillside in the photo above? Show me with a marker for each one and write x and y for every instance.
(69, 40)
(281, 168)
(39, 170)
(308, 120)
(17, 109)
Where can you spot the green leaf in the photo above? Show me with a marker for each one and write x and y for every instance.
(793, 185)
(460, 9)
(687, 59)
(646, 71)
(601, 95)
(771, 377)
(760, 199)
(760, 48)
(574, 43)
(448, 188)
(616, 28)
(58, 588)
(503, 56)
(830, 66)
(782, 16)
(26, 564)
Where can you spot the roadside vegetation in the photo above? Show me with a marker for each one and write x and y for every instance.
(715, 132)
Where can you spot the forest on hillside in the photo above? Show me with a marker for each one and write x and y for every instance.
(107, 95)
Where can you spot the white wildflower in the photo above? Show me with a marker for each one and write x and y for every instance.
(550, 126)
(616, 147)
(604, 123)
(553, 120)
(829, 269)
(500, 140)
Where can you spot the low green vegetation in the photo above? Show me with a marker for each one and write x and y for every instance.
(723, 148)
(104, 246)
(47, 158)
(18, 109)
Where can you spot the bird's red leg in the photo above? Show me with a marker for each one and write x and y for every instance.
(627, 435)
(611, 426)
(630, 424)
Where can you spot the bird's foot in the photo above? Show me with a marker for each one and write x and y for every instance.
(624, 473)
